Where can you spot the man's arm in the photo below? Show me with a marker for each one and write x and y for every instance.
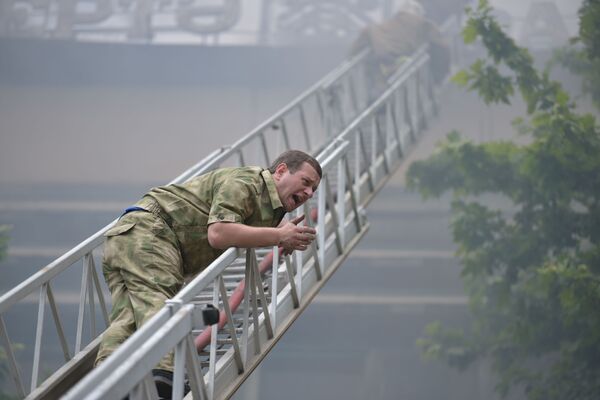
(222, 235)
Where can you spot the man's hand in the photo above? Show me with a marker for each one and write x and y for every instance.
(294, 236)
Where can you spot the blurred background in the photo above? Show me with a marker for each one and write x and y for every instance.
(101, 100)
(137, 91)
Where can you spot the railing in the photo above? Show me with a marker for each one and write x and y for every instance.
(302, 124)
(353, 173)
(249, 333)
(358, 160)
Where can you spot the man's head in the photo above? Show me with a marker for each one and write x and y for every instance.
(297, 176)
(413, 7)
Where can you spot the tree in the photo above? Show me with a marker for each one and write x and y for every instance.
(589, 29)
(583, 56)
(532, 270)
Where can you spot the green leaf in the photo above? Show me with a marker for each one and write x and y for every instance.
(461, 78)
(562, 98)
(453, 137)
(469, 32)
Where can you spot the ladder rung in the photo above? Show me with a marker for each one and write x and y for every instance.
(219, 352)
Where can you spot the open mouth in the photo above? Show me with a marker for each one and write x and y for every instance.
(296, 200)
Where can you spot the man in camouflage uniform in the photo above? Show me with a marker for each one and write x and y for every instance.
(176, 231)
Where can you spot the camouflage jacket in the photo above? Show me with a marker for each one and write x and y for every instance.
(244, 195)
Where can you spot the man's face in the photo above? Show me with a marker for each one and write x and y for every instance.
(296, 188)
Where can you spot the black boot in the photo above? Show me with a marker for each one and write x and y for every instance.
(163, 380)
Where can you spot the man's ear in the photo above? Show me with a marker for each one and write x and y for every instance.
(280, 169)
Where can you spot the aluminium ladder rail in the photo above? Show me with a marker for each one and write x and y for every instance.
(391, 125)
(369, 149)
(302, 124)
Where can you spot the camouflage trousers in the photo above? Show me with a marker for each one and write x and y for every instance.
(142, 266)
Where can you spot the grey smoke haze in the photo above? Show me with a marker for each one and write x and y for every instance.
(68, 130)
(122, 117)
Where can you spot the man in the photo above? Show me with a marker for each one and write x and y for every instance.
(176, 231)
(399, 37)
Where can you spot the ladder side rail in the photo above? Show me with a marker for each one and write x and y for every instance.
(213, 339)
(372, 173)
(261, 334)
(50, 271)
(84, 252)
(374, 107)
(115, 378)
(227, 379)
(259, 135)
(216, 157)
(87, 247)
(204, 278)
(33, 283)
(273, 289)
(193, 171)
(330, 79)
(406, 71)
(417, 71)
(67, 374)
(121, 355)
(296, 105)
(193, 288)
(127, 376)
(41, 282)
(148, 335)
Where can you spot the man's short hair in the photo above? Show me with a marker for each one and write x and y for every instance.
(294, 160)
(413, 7)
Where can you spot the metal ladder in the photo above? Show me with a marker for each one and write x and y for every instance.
(359, 145)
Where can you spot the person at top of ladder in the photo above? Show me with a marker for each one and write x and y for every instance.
(176, 231)
(397, 38)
